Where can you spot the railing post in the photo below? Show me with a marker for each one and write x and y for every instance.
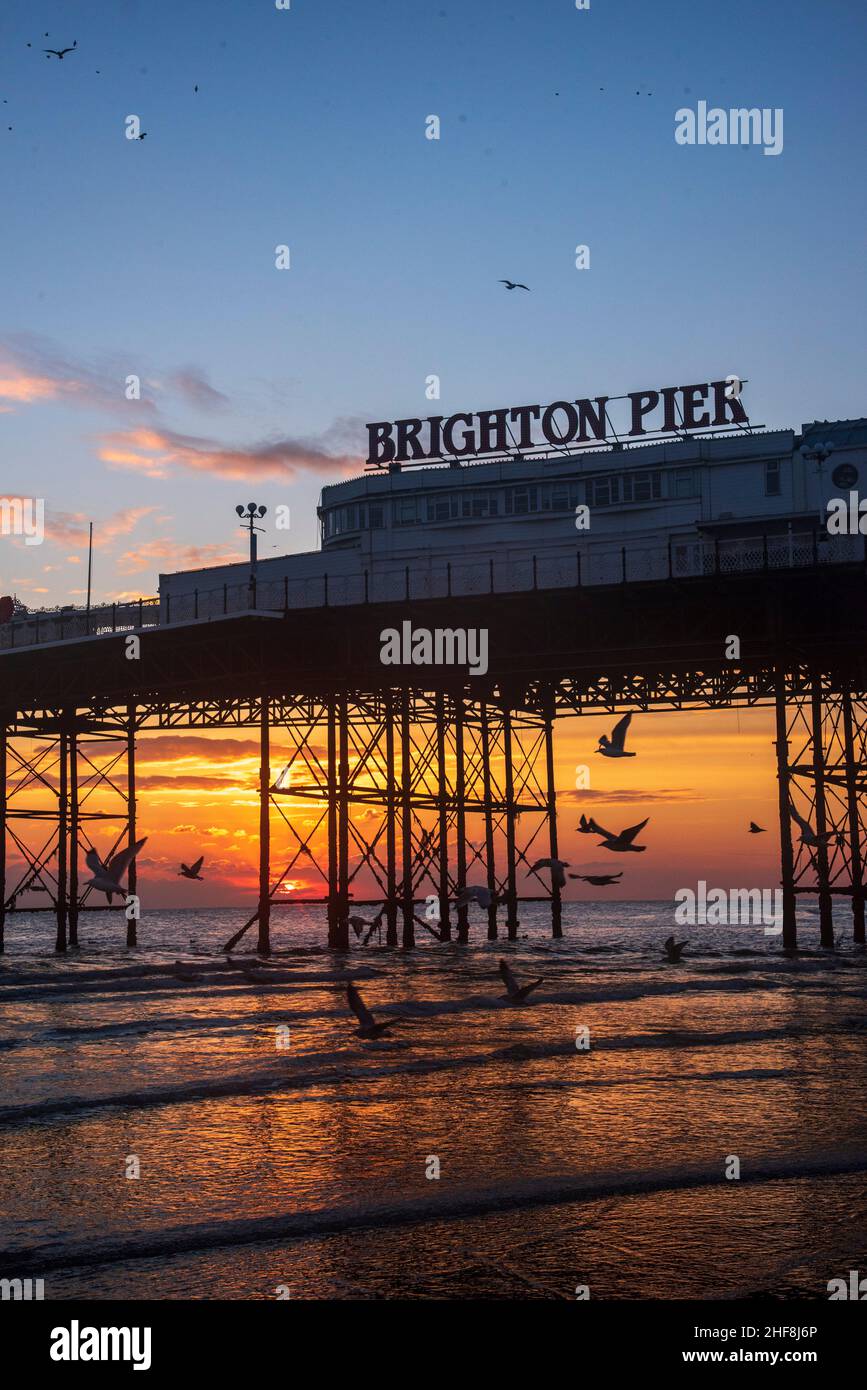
(623, 564)
(765, 551)
(168, 608)
(114, 617)
(716, 554)
(670, 569)
(195, 603)
(140, 613)
(225, 598)
(325, 586)
(448, 579)
(491, 574)
(535, 573)
(815, 547)
(406, 580)
(366, 587)
(578, 558)
(286, 593)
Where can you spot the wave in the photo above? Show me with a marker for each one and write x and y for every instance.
(440, 1204)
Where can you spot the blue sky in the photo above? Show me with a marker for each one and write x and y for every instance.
(156, 257)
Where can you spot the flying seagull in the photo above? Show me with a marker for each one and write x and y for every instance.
(599, 880)
(358, 923)
(622, 843)
(585, 826)
(756, 829)
(106, 877)
(808, 835)
(192, 870)
(516, 993)
(558, 878)
(59, 52)
(615, 746)
(514, 285)
(673, 950)
(369, 1026)
(475, 894)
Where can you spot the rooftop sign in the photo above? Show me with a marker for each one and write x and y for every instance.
(563, 425)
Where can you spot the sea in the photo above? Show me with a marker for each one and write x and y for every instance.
(179, 1124)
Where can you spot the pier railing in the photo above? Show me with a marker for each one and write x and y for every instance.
(682, 558)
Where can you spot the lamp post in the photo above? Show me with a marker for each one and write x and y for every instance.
(819, 451)
(250, 515)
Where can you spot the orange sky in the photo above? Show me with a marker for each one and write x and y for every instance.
(701, 777)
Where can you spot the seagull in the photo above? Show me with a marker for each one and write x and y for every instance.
(359, 923)
(142, 136)
(369, 1027)
(558, 878)
(808, 835)
(516, 993)
(673, 950)
(514, 285)
(475, 894)
(599, 880)
(106, 877)
(622, 843)
(59, 52)
(585, 826)
(192, 870)
(756, 829)
(614, 747)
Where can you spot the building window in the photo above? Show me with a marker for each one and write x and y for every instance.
(442, 508)
(624, 487)
(521, 500)
(376, 516)
(685, 483)
(480, 504)
(406, 511)
(772, 478)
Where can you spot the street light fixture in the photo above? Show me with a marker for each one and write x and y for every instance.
(250, 515)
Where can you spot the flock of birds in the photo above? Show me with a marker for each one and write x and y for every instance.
(107, 875)
(60, 54)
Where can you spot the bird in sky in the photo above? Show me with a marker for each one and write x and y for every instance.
(59, 52)
(615, 746)
(622, 843)
(369, 1026)
(756, 829)
(475, 893)
(192, 870)
(586, 827)
(558, 878)
(516, 993)
(514, 285)
(808, 835)
(599, 880)
(106, 877)
(673, 950)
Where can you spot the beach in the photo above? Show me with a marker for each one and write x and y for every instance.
(280, 1155)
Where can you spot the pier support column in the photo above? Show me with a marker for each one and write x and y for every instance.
(551, 801)
(461, 817)
(489, 821)
(2, 833)
(390, 824)
(853, 807)
(132, 878)
(511, 866)
(333, 906)
(342, 924)
(787, 859)
(62, 797)
(442, 819)
(73, 833)
(263, 945)
(408, 933)
(826, 921)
